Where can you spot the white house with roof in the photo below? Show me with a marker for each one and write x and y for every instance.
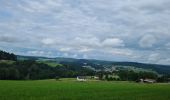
(81, 78)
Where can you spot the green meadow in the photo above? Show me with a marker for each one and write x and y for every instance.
(70, 89)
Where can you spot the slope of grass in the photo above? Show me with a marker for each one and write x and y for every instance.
(73, 90)
(7, 61)
(50, 63)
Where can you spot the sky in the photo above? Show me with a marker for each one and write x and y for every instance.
(115, 30)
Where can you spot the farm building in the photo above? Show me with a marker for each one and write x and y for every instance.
(94, 77)
(147, 80)
(81, 78)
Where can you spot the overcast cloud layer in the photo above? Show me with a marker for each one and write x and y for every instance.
(117, 30)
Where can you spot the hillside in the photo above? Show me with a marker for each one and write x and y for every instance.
(33, 68)
(100, 64)
(26, 68)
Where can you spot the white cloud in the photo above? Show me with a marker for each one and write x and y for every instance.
(85, 49)
(122, 52)
(75, 56)
(155, 57)
(167, 45)
(66, 55)
(40, 6)
(65, 49)
(164, 61)
(91, 41)
(39, 53)
(85, 56)
(147, 41)
(48, 41)
(113, 42)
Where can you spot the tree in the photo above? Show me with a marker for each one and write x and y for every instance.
(7, 56)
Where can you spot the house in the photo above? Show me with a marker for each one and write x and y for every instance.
(96, 77)
(149, 81)
(141, 80)
(146, 81)
(81, 78)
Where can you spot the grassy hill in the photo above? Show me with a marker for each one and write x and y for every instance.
(162, 69)
(98, 64)
(70, 89)
(50, 63)
(7, 61)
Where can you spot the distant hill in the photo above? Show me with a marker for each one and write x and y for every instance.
(162, 69)
(100, 64)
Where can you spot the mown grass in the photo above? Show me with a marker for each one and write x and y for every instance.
(52, 64)
(7, 61)
(69, 89)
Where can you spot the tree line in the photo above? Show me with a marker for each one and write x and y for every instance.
(32, 70)
(7, 56)
(130, 75)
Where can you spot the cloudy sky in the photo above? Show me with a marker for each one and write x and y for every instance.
(117, 30)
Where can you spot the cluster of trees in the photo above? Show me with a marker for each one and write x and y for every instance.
(164, 78)
(29, 69)
(130, 75)
(32, 70)
(161, 69)
(7, 56)
(126, 75)
(21, 70)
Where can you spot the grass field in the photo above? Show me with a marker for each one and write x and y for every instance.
(7, 61)
(52, 64)
(69, 89)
